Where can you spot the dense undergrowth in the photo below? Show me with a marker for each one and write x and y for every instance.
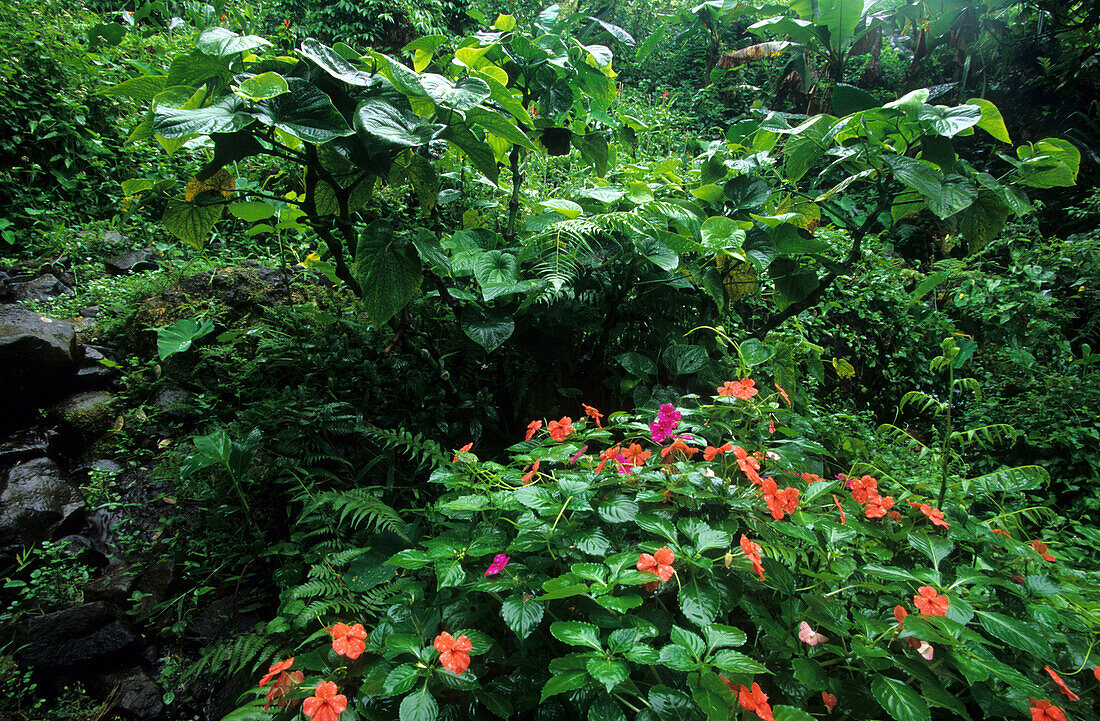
(857, 274)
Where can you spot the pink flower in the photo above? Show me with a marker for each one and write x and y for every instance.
(498, 564)
(668, 418)
(578, 454)
(809, 636)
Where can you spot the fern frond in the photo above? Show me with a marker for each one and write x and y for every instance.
(1011, 480)
(901, 437)
(359, 507)
(923, 402)
(426, 452)
(986, 436)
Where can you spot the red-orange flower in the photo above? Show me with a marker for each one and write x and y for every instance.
(325, 704)
(930, 603)
(934, 514)
(635, 456)
(899, 614)
(275, 670)
(1045, 711)
(1002, 532)
(710, 451)
(678, 446)
(780, 501)
(829, 700)
(282, 686)
(783, 393)
(608, 455)
(755, 700)
(1041, 549)
(348, 640)
(1096, 672)
(752, 551)
(659, 563)
(560, 429)
(593, 413)
(811, 478)
(878, 505)
(454, 653)
(863, 489)
(749, 465)
(464, 449)
(1061, 684)
(843, 520)
(743, 389)
(530, 475)
(532, 429)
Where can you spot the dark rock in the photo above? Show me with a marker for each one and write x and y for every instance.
(35, 353)
(133, 691)
(75, 546)
(172, 401)
(220, 618)
(23, 445)
(106, 465)
(42, 288)
(96, 376)
(155, 582)
(88, 411)
(113, 587)
(36, 501)
(86, 636)
(90, 311)
(133, 262)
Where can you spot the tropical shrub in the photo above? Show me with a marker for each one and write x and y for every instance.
(696, 561)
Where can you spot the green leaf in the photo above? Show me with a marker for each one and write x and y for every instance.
(335, 65)
(1049, 163)
(619, 509)
(732, 661)
(899, 700)
(387, 272)
(251, 212)
(576, 633)
(419, 706)
(179, 336)
(670, 703)
(489, 329)
(562, 682)
(699, 603)
(566, 207)
(657, 525)
(991, 121)
(637, 364)
(620, 604)
(409, 558)
(712, 695)
(656, 252)
(718, 635)
(810, 673)
(304, 112)
(142, 89)
(400, 680)
(790, 713)
(678, 658)
(949, 122)
(219, 117)
(476, 149)
(848, 99)
(466, 93)
(222, 42)
(191, 222)
(755, 352)
(722, 233)
(499, 125)
(688, 641)
(378, 120)
(608, 671)
(521, 613)
(262, 86)
(934, 548)
(1024, 636)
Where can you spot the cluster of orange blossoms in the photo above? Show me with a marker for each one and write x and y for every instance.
(659, 563)
(752, 699)
(780, 501)
(743, 389)
(678, 446)
(865, 491)
(710, 452)
(934, 514)
(560, 430)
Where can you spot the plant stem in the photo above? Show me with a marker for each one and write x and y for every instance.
(947, 432)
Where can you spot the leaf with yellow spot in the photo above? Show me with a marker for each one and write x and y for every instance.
(808, 212)
(220, 182)
(844, 369)
(760, 51)
(471, 219)
(739, 277)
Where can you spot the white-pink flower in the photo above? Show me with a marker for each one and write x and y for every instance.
(809, 636)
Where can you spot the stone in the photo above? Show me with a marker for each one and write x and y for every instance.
(88, 411)
(106, 465)
(113, 587)
(90, 311)
(84, 636)
(23, 445)
(42, 288)
(171, 401)
(135, 261)
(37, 500)
(36, 359)
(95, 376)
(134, 692)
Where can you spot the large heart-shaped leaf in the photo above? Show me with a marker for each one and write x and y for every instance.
(488, 329)
(304, 112)
(378, 120)
(388, 271)
(221, 116)
(222, 42)
(179, 336)
(192, 222)
(332, 63)
(262, 87)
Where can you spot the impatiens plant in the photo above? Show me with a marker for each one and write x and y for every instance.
(721, 571)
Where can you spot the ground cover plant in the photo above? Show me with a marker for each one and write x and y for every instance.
(348, 284)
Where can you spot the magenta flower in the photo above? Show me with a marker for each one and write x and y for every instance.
(626, 468)
(498, 564)
(668, 418)
(575, 456)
